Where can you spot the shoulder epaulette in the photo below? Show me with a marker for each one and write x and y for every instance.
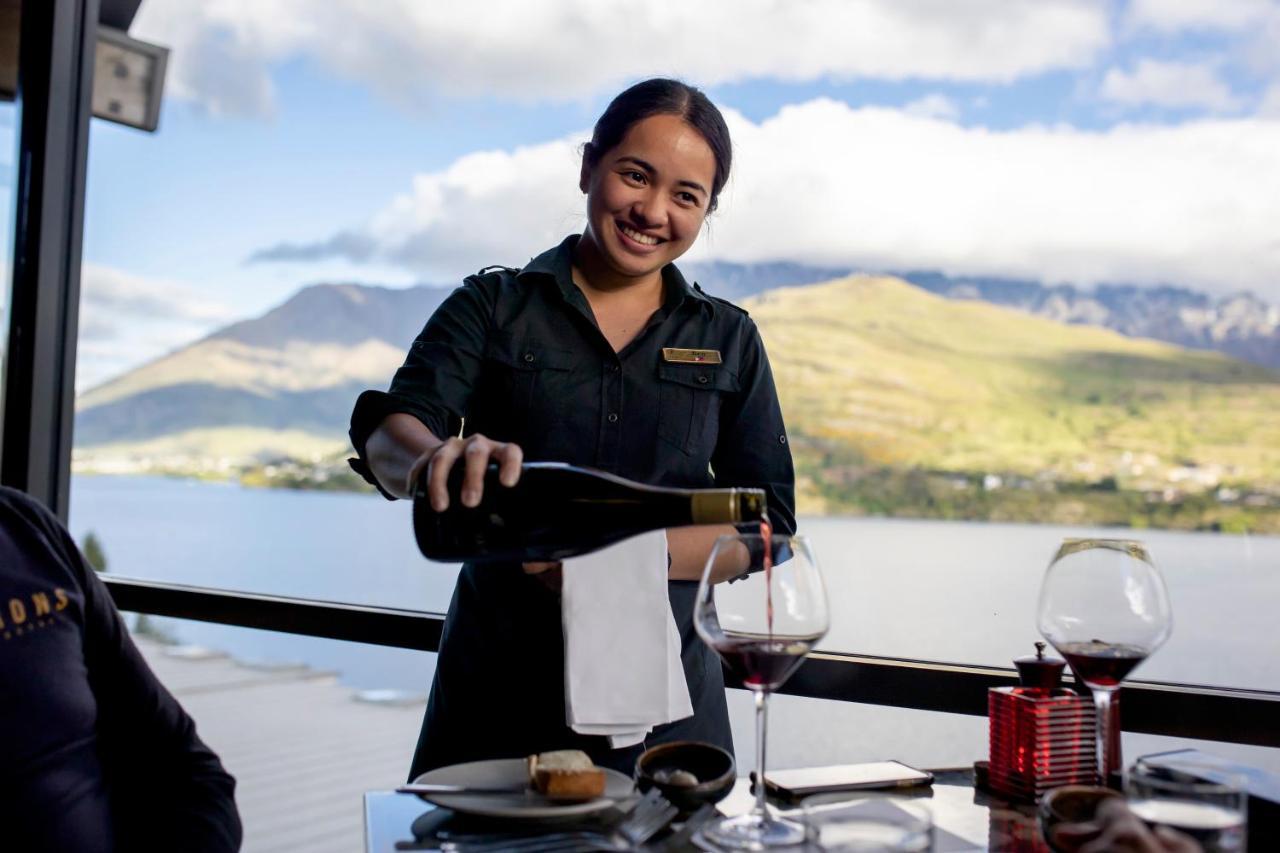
(719, 300)
(488, 271)
(497, 268)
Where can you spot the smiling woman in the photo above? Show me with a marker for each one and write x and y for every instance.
(644, 213)
(575, 358)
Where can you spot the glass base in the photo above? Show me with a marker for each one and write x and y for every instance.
(754, 832)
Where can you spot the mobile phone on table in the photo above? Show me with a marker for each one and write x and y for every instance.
(803, 781)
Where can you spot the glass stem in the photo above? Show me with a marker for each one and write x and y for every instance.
(1108, 738)
(762, 713)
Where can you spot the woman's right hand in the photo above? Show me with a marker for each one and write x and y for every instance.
(477, 451)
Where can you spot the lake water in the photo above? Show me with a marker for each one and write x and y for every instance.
(946, 591)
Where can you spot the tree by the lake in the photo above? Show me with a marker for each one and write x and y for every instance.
(93, 553)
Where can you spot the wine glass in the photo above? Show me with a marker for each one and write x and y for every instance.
(761, 605)
(1104, 607)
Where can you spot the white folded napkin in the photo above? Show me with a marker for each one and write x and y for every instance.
(622, 671)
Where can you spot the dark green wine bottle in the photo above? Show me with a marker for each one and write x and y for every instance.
(557, 511)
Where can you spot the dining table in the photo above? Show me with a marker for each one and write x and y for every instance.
(965, 818)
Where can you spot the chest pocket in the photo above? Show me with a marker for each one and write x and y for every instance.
(530, 384)
(689, 398)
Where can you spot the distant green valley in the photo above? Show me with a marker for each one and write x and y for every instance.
(901, 402)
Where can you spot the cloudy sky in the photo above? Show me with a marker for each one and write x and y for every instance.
(396, 142)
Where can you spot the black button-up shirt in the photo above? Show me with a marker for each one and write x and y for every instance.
(517, 356)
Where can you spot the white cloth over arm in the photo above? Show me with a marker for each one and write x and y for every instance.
(622, 670)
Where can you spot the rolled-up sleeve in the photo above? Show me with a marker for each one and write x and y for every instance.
(438, 375)
(752, 450)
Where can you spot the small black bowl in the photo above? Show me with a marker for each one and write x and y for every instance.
(712, 765)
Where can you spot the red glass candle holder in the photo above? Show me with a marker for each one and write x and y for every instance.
(1041, 735)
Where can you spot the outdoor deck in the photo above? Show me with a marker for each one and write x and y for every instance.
(303, 748)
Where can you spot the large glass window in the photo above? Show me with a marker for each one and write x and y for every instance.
(1015, 270)
(9, 40)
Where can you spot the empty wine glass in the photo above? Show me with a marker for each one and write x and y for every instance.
(761, 605)
(1104, 607)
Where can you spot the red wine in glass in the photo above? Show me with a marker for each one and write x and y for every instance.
(1101, 664)
(762, 647)
(766, 536)
(763, 663)
(1104, 606)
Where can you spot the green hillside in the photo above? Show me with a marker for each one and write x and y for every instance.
(877, 376)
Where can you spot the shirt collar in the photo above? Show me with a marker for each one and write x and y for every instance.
(679, 290)
(557, 264)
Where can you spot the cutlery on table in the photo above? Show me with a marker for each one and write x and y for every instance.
(649, 817)
(425, 788)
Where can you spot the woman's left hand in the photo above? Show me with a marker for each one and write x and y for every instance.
(550, 574)
(689, 548)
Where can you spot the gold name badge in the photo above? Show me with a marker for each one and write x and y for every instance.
(691, 356)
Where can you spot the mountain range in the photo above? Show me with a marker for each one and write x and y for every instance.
(1240, 324)
(968, 376)
(279, 384)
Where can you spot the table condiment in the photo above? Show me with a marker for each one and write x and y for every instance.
(1041, 735)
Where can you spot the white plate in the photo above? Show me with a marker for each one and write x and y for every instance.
(514, 771)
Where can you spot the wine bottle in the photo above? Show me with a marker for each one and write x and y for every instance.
(557, 511)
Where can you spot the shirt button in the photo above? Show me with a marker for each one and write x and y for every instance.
(782, 439)
(613, 417)
(528, 357)
(613, 368)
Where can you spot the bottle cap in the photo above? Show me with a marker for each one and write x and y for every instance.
(1043, 673)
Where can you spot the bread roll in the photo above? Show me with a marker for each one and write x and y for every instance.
(566, 774)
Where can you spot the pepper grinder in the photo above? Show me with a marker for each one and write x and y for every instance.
(1041, 735)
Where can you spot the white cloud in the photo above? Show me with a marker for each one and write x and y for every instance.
(933, 106)
(1254, 26)
(1194, 204)
(117, 291)
(127, 319)
(1171, 16)
(1170, 84)
(1269, 106)
(450, 222)
(826, 184)
(414, 52)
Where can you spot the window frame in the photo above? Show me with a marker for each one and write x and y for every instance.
(57, 44)
(56, 70)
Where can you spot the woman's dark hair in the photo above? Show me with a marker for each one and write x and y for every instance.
(662, 96)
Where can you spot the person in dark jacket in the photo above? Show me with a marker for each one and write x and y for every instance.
(95, 755)
(597, 353)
